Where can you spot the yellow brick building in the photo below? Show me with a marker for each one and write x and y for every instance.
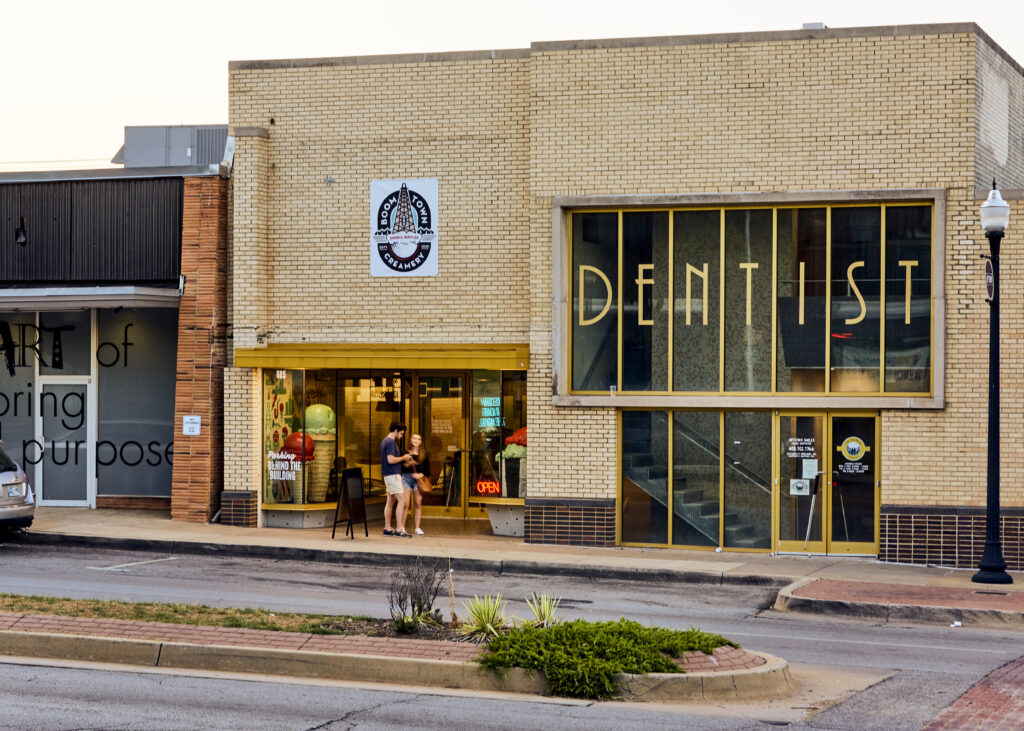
(731, 283)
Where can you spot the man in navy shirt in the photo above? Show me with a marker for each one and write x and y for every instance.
(391, 463)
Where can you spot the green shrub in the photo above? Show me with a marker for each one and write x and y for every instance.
(581, 659)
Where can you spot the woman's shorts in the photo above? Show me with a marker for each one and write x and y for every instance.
(408, 480)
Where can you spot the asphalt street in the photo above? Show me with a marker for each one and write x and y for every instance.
(928, 667)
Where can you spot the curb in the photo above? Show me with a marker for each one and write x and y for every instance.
(264, 661)
(319, 555)
(769, 680)
(786, 601)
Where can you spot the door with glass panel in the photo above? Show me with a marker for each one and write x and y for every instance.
(440, 420)
(827, 493)
(802, 478)
(62, 474)
(854, 489)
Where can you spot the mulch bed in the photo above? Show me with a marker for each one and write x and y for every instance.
(386, 628)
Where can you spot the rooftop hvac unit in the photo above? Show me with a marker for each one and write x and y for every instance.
(163, 146)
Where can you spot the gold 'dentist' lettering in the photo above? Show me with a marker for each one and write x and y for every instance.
(801, 297)
(703, 274)
(608, 295)
(856, 292)
(909, 265)
(641, 280)
(750, 267)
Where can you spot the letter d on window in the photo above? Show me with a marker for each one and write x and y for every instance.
(608, 295)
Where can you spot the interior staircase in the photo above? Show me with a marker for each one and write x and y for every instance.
(697, 503)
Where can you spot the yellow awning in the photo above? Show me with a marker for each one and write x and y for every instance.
(434, 356)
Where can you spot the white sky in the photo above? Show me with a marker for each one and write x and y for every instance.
(75, 73)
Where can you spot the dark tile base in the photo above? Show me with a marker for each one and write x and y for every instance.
(238, 508)
(570, 522)
(947, 536)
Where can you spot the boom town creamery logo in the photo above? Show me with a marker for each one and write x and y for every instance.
(404, 230)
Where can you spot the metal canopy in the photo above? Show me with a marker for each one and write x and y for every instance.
(72, 298)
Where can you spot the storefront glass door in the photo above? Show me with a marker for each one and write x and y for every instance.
(827, 492)
(441, 421)
(801, 477)
(62, 474)
(854, 491)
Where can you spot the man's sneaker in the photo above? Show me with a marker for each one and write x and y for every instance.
(388, 532)
(419, 532)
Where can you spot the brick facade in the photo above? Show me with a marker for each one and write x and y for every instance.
(947, 536)
(197, 478)
(238, 508)
(506, 132)
(570, 522)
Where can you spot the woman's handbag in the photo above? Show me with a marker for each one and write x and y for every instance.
(423, 484)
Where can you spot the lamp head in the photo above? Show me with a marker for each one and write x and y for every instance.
(995, 212)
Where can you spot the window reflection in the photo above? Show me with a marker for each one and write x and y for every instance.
(801, 300)
(595, 262)
(855, 323)
(696, 281)
(828, 288)
(908, 292)
(645, 301)
(748, 300)
(644, 477)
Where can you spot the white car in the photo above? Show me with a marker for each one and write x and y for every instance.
(17, 503)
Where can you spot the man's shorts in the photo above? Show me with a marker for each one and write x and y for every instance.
(393, 483)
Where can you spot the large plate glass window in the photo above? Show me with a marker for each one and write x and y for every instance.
(802, 260)
(696, 286)
(595, 265)
(784, 300)
(856, 299)
(748, 300)
(908, 312)
(644, 502)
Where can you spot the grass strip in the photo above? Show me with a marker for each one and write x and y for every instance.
(582, 659)
(194, 614)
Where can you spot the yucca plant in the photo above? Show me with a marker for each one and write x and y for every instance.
(486, 618)
(545, 609)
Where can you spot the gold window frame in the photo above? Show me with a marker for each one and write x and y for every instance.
(564, 207)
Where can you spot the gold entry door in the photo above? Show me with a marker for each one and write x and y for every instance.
(802, 494)
(827, 493)
(440, 407)
(854, 492)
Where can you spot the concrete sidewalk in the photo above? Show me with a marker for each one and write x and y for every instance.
(849, 586)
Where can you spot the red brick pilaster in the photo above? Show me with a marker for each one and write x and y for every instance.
(202, 351)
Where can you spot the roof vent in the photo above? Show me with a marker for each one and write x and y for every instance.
(815, 26)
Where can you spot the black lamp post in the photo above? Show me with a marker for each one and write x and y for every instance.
(995, 214)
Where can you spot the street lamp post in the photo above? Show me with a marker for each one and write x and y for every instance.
(995, 213)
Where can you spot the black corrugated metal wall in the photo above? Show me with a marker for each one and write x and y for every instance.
(100, 232)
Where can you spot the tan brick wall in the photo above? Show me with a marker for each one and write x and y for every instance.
(197, 477)
(464, 123)
(675, 116)
(1000, 119)
(242, 465)
(249, 252)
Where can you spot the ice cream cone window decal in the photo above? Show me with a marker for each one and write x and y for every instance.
(403, 225)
